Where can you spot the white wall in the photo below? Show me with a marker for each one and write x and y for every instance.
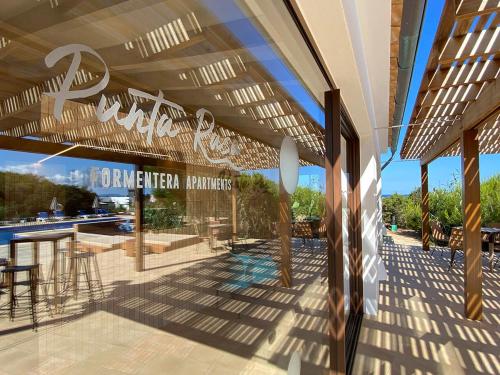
(353, 38)
(371, 218)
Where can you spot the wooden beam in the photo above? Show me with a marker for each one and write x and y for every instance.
(445, 26)
(456, 76)
(49, 148)
(333, 165)
(234, 209)
(285, 236)
(460, 94)
(139, 225)
(471, 46)
(477, 112)
(473, 8)
(472, 225)
(425, 207)
(440, 111)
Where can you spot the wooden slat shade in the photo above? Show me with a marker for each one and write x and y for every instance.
(464, 62)
(180, 49)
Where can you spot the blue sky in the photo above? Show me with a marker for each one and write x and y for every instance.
(61, 170)
(404, 176)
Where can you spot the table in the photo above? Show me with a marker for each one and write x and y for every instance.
(211, 229)
(490, 232)
(35, 240)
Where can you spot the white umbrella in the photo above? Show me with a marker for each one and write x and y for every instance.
(53, 204)
(95, 204)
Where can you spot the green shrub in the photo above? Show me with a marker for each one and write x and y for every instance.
(258, 205)
(162, 218)
(412, 215)
(490, 200)
(445, 205)
(24, 195)
(307, 203)
(393, 206)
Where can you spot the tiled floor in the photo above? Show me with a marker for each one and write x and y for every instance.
(197, 312)
(191, 312)
(420, 327)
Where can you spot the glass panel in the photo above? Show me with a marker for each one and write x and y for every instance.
(345, 225)
(140, 170)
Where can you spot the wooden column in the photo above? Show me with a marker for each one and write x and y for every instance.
(234, 209)
(426, 229)
(285, 231)
(472, 225)
(139, 225)
(333, 165)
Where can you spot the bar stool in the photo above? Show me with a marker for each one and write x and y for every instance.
(64, 255)
(83, 263)
(32, 283)
(3, 263)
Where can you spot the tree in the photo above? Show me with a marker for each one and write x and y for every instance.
(445, 205)
(258, 205)
(24, 195)
(490, 200)
(393, 206)
(307, 203)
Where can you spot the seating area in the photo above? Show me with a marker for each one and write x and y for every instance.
(54, 269)
(490, 236)
(211, 310)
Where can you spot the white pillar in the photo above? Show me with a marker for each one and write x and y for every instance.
(373, 267)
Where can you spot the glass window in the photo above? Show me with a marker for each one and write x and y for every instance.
(140, 176)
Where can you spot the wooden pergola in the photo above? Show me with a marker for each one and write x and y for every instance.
(457, 112)
(187, 58)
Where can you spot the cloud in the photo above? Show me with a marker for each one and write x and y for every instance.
(75, 177)
(58, 179)
(21, 168)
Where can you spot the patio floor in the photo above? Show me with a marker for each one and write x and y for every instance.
(420, 327)
(192, 311)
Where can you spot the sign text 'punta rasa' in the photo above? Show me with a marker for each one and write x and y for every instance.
(223, 146)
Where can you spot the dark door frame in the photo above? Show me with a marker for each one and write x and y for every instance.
(343, 335)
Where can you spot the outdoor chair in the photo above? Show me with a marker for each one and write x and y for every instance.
(496, 247)
(497, 250)
(59, 215)
(438, 236)
(84, 214)
(127, 226)
(241, 238)
(42, 217)
(455, 244)
(303, 229)
(101, 212)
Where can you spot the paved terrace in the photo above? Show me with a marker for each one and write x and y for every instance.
(420, 327)
(191, 311)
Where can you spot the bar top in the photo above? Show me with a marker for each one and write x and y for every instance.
(43, 237)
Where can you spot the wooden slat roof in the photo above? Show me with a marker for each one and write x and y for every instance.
(463, 62)
(396, 15)
(177, 47)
